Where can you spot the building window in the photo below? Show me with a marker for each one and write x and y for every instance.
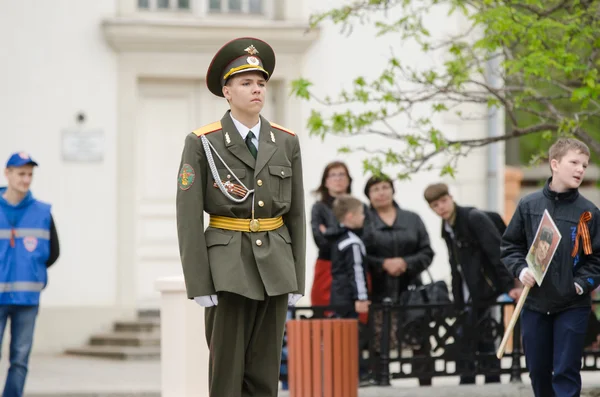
(174, 5)
(202, 8)
(236, 6)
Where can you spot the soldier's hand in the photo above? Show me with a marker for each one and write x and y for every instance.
(207, 300)
(527, 278)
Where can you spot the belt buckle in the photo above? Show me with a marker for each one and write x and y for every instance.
(254, 225)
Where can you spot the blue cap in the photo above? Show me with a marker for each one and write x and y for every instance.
(20, 159)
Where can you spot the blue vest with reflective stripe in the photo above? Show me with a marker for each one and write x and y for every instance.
(24, 251)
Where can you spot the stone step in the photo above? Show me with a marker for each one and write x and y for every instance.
(145, 325)
(118, 352)
(126, 339)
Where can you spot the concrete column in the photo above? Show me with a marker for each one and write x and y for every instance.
(184, 352)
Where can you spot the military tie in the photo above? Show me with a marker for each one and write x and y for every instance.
(250, 145)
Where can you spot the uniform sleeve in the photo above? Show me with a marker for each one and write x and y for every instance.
(295, 219)
(513, 248)
(588, 275)
(54, 244)
(489, 239)
(190, 219)
(423, 257)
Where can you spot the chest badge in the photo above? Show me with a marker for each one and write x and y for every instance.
(30, 243)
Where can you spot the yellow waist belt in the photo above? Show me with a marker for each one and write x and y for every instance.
(245, 225)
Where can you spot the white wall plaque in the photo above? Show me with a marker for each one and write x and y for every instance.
(83, 146)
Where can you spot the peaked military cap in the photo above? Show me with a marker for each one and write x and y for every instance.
(245, 54)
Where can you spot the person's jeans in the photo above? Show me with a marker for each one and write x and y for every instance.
(553, 347)
(22, 324)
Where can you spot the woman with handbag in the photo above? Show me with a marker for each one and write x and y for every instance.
(398, 250)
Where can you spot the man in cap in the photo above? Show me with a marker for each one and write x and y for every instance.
(248, 265)
(478, 277)
(29, 245)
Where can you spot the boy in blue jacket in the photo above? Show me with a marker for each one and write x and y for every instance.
(28, 246)
(555, 315)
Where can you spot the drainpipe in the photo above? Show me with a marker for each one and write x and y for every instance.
(493, 153)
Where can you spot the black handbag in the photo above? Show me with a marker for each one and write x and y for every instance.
(436, 292)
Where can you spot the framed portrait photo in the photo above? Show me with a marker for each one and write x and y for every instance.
(544, 247)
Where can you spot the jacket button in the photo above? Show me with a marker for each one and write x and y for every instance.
(258, 242)
(261, 203)
(282, 173)
(228, 176)
(259, 182)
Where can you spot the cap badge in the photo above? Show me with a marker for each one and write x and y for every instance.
(24, 155)
(253, 61)
(251, 50)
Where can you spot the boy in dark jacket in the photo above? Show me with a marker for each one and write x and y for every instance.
(349, 277)
(555, 315)
(478, 275)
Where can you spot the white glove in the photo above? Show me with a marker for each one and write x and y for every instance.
(578, 289)
(207, 300)
(293, 298)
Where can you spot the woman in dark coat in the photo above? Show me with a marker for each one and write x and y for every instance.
(398, 250)
(336, 180)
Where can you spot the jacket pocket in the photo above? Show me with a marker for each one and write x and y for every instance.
(214, 238)
(281, 183)
(285, 234)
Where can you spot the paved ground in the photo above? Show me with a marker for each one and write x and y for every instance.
(53, 376)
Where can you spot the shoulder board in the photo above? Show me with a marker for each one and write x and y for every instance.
(277, 126)
(207, 129)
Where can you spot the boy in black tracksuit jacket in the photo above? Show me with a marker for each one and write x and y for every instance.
(348, 274)
(554, 318)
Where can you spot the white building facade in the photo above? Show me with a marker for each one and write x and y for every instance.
(135, 70)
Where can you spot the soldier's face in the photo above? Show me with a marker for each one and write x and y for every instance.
(246, 92)
(19, 178)
(541, 251)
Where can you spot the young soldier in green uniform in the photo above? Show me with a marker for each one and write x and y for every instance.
(248, 265)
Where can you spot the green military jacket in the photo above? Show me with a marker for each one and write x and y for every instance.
(244, 263)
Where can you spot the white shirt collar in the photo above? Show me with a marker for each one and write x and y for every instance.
(243, 130)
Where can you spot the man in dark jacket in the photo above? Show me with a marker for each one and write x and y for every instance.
(555, 316)
(478, 275)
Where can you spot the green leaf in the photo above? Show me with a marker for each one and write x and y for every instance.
(448, 170)
(300, 88)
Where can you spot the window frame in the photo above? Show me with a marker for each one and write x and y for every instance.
(201, 8)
